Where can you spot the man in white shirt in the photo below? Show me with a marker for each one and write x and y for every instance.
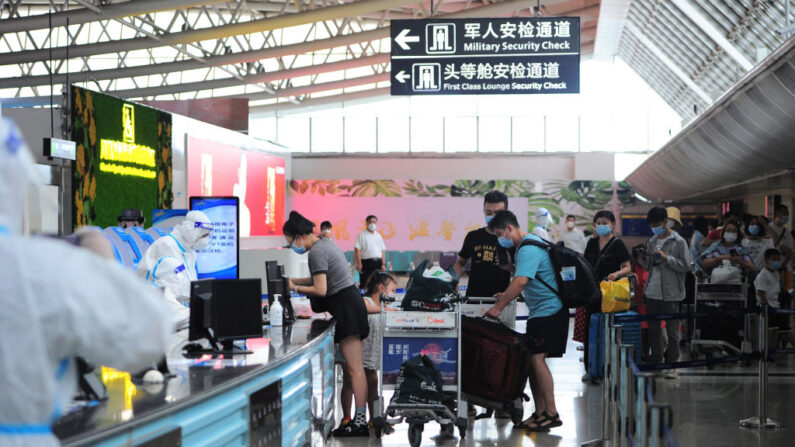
(369, 251)
(573, 238)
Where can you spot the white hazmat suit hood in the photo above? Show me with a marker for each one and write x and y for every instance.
(543, 221)
(57, 302)
(190, 235)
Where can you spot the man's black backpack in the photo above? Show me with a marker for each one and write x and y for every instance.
(578, 292)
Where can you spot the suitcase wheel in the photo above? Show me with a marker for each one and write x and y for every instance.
(415, 434)
(517, 415)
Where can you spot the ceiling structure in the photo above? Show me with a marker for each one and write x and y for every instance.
(273, 52)
(691, 51)
(294, 53)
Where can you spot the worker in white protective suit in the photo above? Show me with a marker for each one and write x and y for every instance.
(543, 221)
(58, 301)
(171, 275)
(190, 235)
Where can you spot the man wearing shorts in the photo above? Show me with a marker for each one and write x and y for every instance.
(548, 321)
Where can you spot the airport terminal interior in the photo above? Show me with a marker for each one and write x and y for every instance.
(397, 223)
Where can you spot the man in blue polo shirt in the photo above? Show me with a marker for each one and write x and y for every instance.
(548, 321)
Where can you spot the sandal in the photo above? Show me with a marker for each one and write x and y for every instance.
(523, 425)
(545, 423)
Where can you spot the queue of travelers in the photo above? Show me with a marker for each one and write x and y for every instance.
(662, 270)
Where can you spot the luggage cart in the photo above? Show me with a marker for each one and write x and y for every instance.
(405, 336)
(717, 296)
(478, 306)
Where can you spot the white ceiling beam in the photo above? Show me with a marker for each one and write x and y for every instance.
(86, 15)
(688, 9)
(659, 54)
(316, 103)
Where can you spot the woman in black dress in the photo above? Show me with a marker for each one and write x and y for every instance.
(609, 258)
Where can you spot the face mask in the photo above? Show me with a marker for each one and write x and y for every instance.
(296, 249)
(326, 232)
(488, 219)
(202, 243)
(371, 227)
(730, 237)
(670, 224)
(505, 242)
(603, 230)
(658, 231)
(569, 224)
(775, 265)
(753, 229)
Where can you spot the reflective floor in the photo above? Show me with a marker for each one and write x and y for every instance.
(707, 405)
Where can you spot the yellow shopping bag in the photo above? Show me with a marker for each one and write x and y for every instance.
(616, 295)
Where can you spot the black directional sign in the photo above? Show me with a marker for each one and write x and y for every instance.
(486, 56)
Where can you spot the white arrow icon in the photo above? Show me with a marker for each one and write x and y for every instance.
(402, 76)
(403, 38)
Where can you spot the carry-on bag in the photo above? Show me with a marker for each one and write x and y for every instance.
(494, 361)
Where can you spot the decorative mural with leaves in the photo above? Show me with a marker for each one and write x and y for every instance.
(581, 198)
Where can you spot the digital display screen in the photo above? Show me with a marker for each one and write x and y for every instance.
(220, 259)
(56, 148)
(256, 178)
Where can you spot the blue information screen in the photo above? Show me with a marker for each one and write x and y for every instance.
(220, 259)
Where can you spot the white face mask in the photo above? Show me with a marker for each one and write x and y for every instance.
(569, 224)
(730, 237)
(371, 227)
(202, 243)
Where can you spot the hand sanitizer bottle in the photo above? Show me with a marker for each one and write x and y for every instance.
(276, 314)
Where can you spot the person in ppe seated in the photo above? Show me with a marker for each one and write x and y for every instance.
(190, 235)
(57, 302)
(171, 275)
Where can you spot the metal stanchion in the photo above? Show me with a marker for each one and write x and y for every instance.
(604, 441)
(615, 366)
(642, 409)
(762, 421)
(625, 396)
(661, 415)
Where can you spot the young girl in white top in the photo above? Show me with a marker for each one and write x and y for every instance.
(379, 285)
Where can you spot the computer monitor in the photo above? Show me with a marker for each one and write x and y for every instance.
(278, 283)
(224, 310)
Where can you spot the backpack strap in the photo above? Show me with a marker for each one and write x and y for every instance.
(546, 245)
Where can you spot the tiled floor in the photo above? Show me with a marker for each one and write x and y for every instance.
(707, 406)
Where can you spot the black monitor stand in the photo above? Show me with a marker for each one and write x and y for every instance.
(227, 346)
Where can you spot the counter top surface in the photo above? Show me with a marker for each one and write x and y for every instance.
(133, 402)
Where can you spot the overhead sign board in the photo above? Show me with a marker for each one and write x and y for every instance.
(485, 56)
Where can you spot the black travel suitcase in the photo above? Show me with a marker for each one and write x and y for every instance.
(494, 365)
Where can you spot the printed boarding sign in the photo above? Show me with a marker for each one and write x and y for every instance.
(485, 56)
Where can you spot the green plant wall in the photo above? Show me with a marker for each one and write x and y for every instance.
(99, 196)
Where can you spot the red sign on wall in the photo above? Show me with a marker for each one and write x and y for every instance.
(258, 179)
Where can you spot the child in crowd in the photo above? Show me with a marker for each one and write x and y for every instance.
(379, 284)
(768, 288)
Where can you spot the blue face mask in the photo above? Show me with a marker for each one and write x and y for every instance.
(658, 231)
(753, 230)
(775, 265)
(505, 243)
(296, 249)
(488, 219)
(603, 230)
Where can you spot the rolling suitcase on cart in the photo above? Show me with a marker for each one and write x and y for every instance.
(493, 365)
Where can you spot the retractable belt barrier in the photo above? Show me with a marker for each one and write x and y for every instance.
(631, 417)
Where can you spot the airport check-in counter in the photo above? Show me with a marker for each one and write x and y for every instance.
(282, 394)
